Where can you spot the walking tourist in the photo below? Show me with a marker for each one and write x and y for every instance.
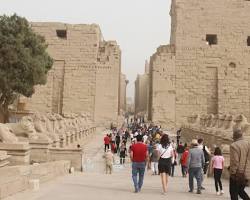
(117, 141)
(207, 154)
(150, 151)
(174, 163)
(196, 162)
(239, 166)
(166, 155)
(184, 162)
(138, 156)
(180, 150)
(178, 136)
(106, 142)
(113, 147)
(154, 160)
(123, 152)
(109, 160)
(174, 145)
(218, 165)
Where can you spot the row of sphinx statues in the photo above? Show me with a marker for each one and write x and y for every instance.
(51, 128)
(219, 124)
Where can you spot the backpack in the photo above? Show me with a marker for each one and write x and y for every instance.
(206, 154)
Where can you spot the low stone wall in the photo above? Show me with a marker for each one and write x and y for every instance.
(19, 153)
(4, 159)
(211, 140)
(75, 156)
(41, 151)
(15, 179)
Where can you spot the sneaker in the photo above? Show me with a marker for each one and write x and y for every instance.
(191, 191)
(217, 193)
(163, 193)
(202, 188)
(221, 192)
(198, 192)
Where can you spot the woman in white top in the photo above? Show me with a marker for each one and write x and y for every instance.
(166, 153)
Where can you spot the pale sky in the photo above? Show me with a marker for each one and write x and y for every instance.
(139, 26)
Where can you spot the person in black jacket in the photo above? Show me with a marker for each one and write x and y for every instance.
(118, 141)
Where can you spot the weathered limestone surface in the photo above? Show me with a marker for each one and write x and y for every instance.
(75, 156)
(206, 79)
(19, 153)
(85, 76)
(123, 93)
(45, 137)
(217, 131)
(16, 178)
(142, 92)
(4, 159)
(162, 94)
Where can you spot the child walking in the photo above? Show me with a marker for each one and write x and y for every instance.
(218, 165)
(109, 160)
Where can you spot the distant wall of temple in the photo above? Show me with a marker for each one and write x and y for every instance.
(85, 76)
(207, 69)
(141, 94)
(123, 93)
(162, 86)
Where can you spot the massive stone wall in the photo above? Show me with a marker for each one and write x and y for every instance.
(211, 59)
(19, 178)
(141, 94)
(107, 83)
(162, 86)
(86, 73)
(123, 93)
(215, 76)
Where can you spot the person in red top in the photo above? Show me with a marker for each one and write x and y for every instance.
(184, 159)
(106, 142)
(139, 157)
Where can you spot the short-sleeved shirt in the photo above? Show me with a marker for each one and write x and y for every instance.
(218, 162)
(139, 152)
(166, 152)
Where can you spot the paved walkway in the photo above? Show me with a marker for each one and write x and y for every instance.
(93, 184)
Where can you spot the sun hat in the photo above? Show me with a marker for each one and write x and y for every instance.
(194, 142)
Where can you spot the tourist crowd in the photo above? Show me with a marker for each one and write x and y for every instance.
(153, 149)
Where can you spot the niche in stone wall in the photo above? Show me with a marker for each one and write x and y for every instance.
(248, 41)
(212, 90)
(61, 34)
(211, 39)
(232, 65)
(58, 86)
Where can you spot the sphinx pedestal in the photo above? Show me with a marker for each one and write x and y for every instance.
(4, 159)
(19, 153)
(40, 150)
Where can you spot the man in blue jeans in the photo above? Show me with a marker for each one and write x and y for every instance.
(138, 156)
(196, 163)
